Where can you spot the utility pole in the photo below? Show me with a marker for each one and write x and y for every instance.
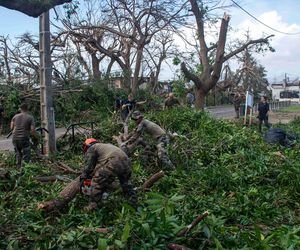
(46, 99)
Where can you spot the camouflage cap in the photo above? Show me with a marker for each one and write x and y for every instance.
(136, 115)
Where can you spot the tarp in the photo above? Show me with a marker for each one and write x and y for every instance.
(278, 135)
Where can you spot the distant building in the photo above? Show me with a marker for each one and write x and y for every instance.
(286, 91)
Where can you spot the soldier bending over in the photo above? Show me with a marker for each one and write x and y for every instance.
(151, 128)
(103, 163)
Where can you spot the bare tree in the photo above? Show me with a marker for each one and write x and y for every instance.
(212, 67)
(143, 20)
(4, 48)
(158, 51)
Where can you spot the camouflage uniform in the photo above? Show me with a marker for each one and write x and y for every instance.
(157, 133)
(105, 162)
(237, 99)
(171, 102)
(22, 124)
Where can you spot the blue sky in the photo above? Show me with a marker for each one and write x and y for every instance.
(282, 15)
(14, 23)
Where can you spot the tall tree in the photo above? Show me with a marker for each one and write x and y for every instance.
(253, 75)
(211, 67)
(158, 51)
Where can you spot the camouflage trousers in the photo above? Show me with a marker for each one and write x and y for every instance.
(237, 110)
(22, 150)
(163, 156)
(162, 152)
(105, 174)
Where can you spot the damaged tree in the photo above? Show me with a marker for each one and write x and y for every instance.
(211, 67)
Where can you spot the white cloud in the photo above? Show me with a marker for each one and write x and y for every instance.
(286, 58)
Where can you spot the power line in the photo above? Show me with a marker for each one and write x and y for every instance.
(286, 33)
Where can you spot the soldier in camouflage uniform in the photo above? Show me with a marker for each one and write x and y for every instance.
(237, 99)
(151, 128)
(103, 163)
(22, 126)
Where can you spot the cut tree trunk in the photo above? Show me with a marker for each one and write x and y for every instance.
(65, 196)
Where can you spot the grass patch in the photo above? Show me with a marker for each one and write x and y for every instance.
(293, 108)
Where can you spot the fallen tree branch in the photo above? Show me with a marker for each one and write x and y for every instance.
(173, 246)
(96, 229)
(65, 196)
(194, 223)
(154, 178)
(52, 178)
(65, 168)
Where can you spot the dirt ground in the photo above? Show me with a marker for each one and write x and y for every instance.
(282, 117)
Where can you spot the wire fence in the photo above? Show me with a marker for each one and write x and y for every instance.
(274, 105)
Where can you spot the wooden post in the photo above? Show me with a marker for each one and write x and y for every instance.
(246, 109)
(46, 99)
(250, 118)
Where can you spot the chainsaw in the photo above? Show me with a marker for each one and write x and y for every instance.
(86, 187)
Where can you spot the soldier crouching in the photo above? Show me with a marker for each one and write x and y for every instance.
(103, 163)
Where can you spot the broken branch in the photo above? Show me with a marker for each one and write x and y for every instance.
(154, 178)
(173, 246)
(52, 178)
(195, 222)
(64, 167)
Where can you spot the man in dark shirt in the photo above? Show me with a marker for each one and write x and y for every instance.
(118, 103)
(128, 106)
(263, 109)
(22, 125)
(190, 99)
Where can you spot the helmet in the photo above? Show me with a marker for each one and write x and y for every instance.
(136, 115)
(88, 143)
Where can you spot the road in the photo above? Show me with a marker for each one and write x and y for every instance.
(6, 144)
(218, 112)
(222, 111)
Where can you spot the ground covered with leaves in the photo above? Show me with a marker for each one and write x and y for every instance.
(251, 190)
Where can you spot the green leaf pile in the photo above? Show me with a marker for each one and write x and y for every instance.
(251, 190)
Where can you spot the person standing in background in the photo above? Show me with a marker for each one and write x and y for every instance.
(171, 101)
(237, 99)
(22, 126)
(128, 106)
(263, 110)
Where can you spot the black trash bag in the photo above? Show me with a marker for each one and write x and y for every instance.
(278, 135)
